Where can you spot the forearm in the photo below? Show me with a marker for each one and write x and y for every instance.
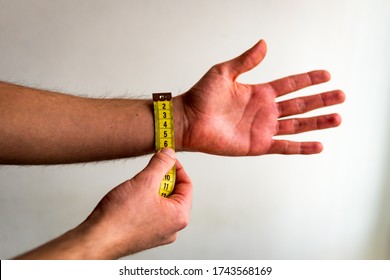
(42, 127)
(84, 242)
(71, 245)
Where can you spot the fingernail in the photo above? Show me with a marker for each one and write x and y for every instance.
(168, 151)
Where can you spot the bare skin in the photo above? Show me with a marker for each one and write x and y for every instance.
(218, 116)
(228, 118)
(132, 217)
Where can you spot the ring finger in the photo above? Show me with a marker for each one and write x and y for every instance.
(298, 125)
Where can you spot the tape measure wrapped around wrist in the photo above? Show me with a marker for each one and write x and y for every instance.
(164, 135)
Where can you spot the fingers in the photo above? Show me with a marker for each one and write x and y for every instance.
(300, 81)
(248, 60)
(293, 126)
(181, 175)
(290, 147)
(181, 198)
(158, 166)
(162, 162)
(182, 192)
(298, 125)
(309, 103)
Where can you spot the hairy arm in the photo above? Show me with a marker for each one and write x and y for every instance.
(43, 127)
(218, 115)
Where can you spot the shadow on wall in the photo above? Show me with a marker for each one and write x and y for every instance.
(379, 245)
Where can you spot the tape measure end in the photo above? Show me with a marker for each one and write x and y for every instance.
(162, 96)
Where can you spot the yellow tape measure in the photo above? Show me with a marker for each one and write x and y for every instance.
(164, 135)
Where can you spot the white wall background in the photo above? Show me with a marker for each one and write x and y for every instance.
(329, 206)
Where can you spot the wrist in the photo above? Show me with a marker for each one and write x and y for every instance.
(86, 244)
(94, 240)
(100, 239)
(179, 121)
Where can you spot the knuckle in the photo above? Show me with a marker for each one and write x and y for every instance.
(296, 126)
(163, 162)
(170, 239)
(285, 147)
(292, 84)
(220, 69)
(183, 221)
(163, 158)
(301, 106)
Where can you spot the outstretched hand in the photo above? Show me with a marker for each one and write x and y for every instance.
(222, 116)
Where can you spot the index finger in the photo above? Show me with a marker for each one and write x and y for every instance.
(296, 82)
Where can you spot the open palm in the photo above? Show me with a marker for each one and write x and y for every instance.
(224, 117)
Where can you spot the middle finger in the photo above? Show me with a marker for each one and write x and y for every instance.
(308, 103)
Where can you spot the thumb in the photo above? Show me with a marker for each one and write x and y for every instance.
(248, 60)
(158, 166)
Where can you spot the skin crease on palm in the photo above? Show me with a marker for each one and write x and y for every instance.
(241, 119)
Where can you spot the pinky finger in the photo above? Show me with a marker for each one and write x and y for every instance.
(287, 147)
